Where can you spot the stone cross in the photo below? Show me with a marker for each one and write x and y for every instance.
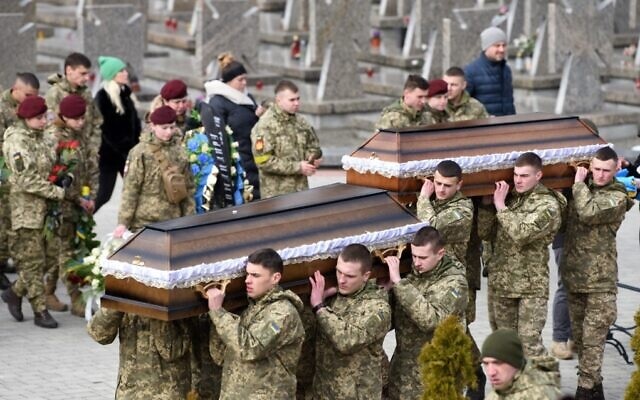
(339, 30)
(583, 43)
(227, 25)
(18, 47)
(113, 30)
(461, 35)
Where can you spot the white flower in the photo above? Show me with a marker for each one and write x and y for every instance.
(233, 171)
(95, 284)
(95, 270)
(89, 260)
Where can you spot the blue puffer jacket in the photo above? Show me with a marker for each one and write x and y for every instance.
(490, 82)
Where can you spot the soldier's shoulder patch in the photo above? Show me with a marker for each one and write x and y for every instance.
(259, 143)
(18, 162)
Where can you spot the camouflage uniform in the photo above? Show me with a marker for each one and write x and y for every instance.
(398, 115)
(468, 108)
(144, 200)
(351, 330)
(422, 301)
(589, 270)
(279, 142)
(529, 384)
(8, 106)
(263, 347)
(518, 270)
(85, 173)
(30, 157)
(60, 88)
(154, 354)
(436, 116)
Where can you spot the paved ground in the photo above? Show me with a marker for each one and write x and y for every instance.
(65, 363)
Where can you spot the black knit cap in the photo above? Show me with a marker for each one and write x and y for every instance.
(232, 70)
(504, 345)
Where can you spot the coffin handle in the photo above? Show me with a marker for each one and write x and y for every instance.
(381, 254)
(203, 287)
(580, 163)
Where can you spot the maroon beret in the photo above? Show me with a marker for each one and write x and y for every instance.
(31, 107)
(163, 115)
(174, 89)
(436, 87)
(73, 106)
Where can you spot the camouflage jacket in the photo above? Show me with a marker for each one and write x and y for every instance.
(435, 116)
(468, 108)
(144, 199)
(262, 347)
(30, 155)
(60, 88)
(350, 333)
(8, 107)
(520, 235)
(154, 354)
(529, 384)
(589, 263)
(422, 301)
(453, 218)
(85, 166)
(279, 142)
(398, 115)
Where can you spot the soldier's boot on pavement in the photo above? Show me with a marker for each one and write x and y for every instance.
(561, 350)
(5, 283)
(14, 302)
(597, 392)
(44, 319)
(77, 303)
(51, 300)
(583, 394)
(478, 392)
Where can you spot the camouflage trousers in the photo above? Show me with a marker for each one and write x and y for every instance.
(59, 251)
(492, 316)
(526, 316)
(5, 227)
(205, 374)
(471, 305)
(307, 362)
(29, 251)
(591, 316)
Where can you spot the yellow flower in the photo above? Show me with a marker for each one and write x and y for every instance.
(193, 158)
(86, 191)
(205, 147)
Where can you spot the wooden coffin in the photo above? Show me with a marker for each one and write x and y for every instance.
(398, 160)
(154, 273)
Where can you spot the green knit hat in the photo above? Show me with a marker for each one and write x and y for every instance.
(110, 66)
(504, 345)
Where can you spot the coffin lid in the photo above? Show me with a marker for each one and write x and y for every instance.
(304, 226)
(476, 145)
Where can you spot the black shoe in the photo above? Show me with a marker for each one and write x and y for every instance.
(5, 283)
(44, 319)
(14, 302)
(597, 392)
(584, 393)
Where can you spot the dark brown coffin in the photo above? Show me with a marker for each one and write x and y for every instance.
(520, 133)
(317, 216)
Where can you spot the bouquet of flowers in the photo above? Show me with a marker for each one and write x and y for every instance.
(525, 45)
(87, 272)
(67, 156)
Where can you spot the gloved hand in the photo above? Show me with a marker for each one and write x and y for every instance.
(64, 181)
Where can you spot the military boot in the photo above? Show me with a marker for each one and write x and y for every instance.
(478, 392)
(597, 392)
(52, 301)
(14, 302)
(583, 393)
(5, 283)
(44, 320)
(77, 303)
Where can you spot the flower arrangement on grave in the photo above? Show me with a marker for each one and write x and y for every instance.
(446, 362)
(67, 158)
(525, 45)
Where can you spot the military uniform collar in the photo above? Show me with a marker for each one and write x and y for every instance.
(20, 123)
(266, 298)
(8, 98)
(456, 197)
(66, 85)
(410, 111)
(464, 99)
(282, 115)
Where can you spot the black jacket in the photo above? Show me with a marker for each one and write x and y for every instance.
(491, 84)
(240, 118)
(120, 132)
